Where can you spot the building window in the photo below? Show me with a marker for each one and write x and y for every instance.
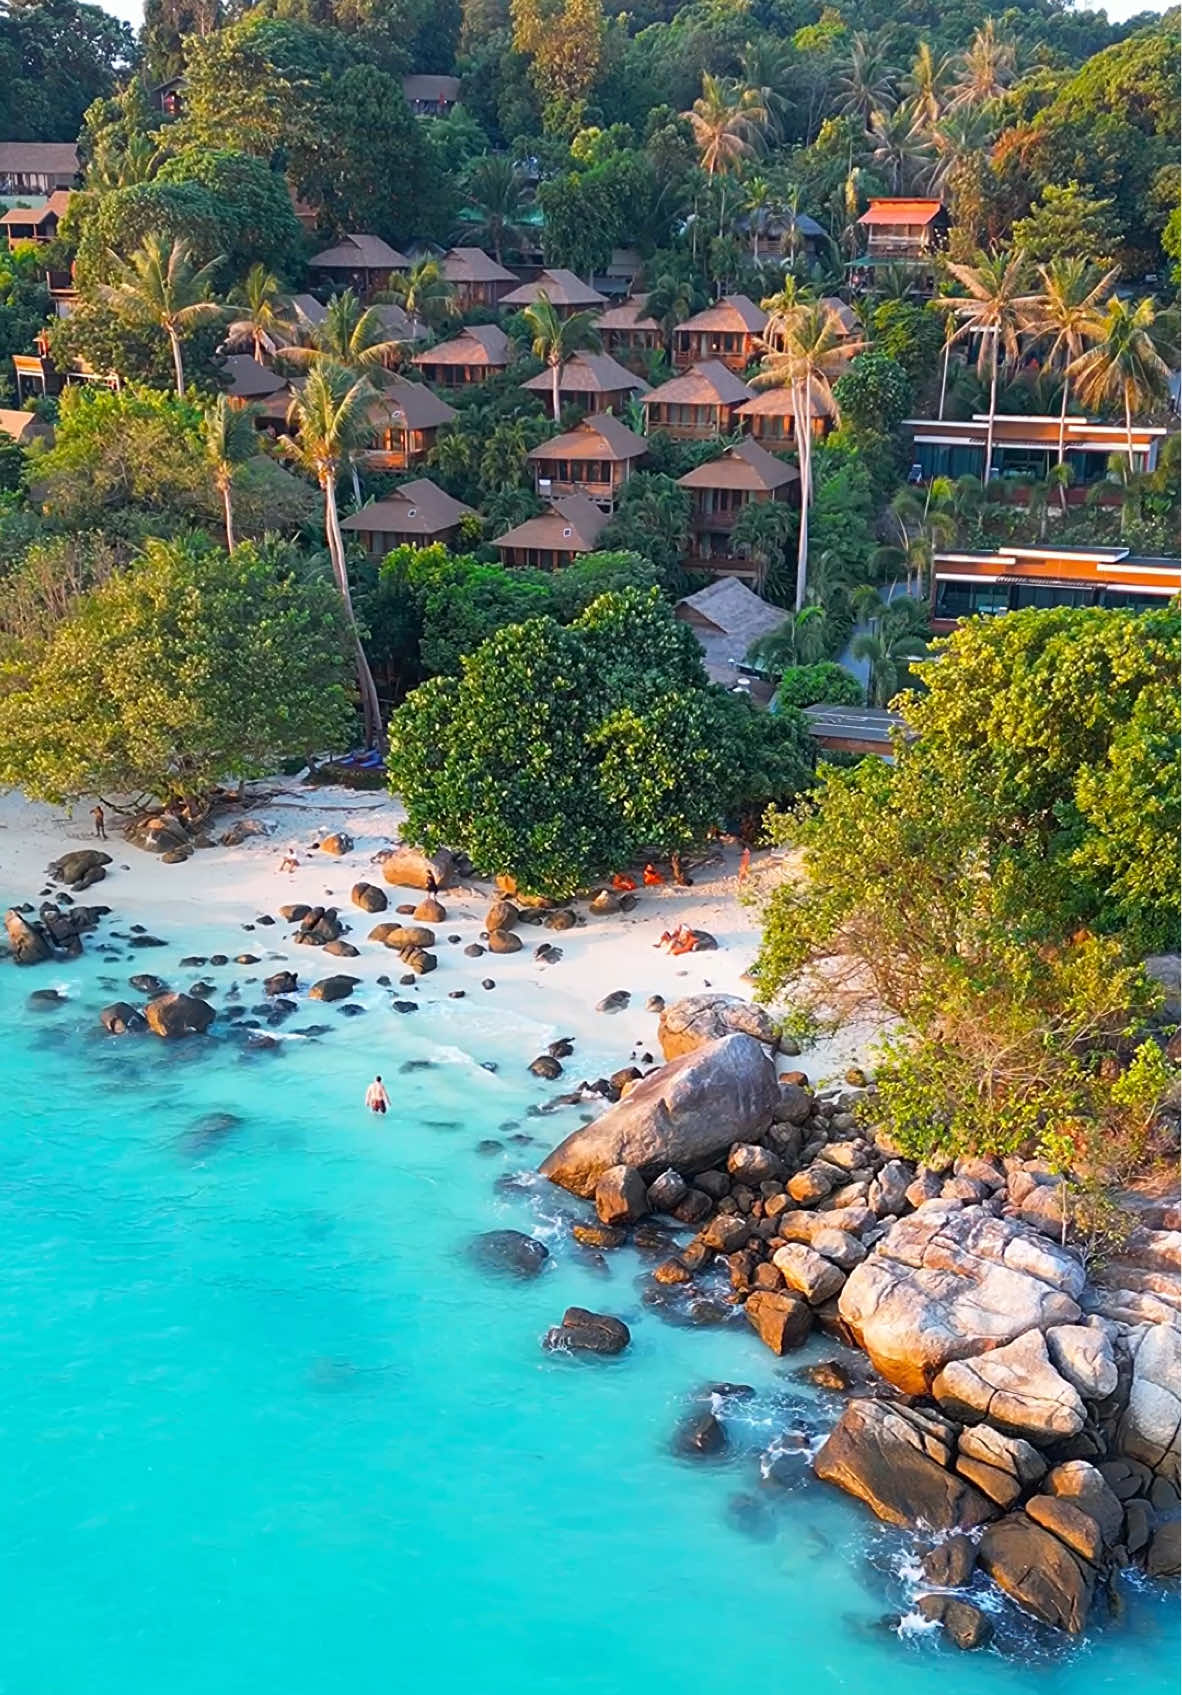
(965, 600)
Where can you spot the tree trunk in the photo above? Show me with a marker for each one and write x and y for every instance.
(992, 416)
(356, 484)
(177, 362)
(1129, 431)
(944, 377)
(370, 706)
(228, 510)
(555, 369)
(805, 455)
(1063, 439)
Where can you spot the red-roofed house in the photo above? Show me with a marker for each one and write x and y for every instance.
(899, 229)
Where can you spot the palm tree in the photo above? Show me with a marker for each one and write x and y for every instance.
(123, 162)
(866, 83)
(159, 288)
(761, 531)
(899, 146)
(924, 527)
(960, 136)
(1063, 314)
(986, 68)
(765, 65)
(350, 334)
(555, 339)
(926, 85)
(671, 300)
(758, 200)
(727, 120)
(887, 656)
(331, 419)
(799, 640)
(229, 438)
(425, 292)
(1124, 365)
(997, 311)
(807, 348)
(1039, 494)
(262, 312)
(495, 190)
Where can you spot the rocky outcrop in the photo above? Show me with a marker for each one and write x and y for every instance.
(1038, 1571)
(1082, 1353)
(782, 1321)
(81, 868)
(336, 988)
(1149, 1429)
(173, 1016)
(410, 868)
(964, 1624)
(585, 1332)
(120, 1017)
(509, 1253)
(684, 1115)
(27, 943)
(1016, 1389)
(689, 1023)
(895, 1459)
(949, 1285)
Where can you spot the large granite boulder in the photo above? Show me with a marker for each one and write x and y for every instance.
(895, 1459)
(173, 1016)
(1038, 1571)
(27, 942)
(948, 1285)
(1149, 1429)
(688, 1023)
(782, 1321)
(1015, 1388)
(410, 868)
(1082, 1353)
(586, 1332)
(684, 1115)
(77, 869)
(1079, 1482)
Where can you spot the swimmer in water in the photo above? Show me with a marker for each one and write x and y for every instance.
(376, 1098)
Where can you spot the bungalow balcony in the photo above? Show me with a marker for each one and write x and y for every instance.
(691, 423)
(600, 480)
(398, 449)
(733, 348)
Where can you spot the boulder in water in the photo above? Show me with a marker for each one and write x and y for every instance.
(173, 1016)
(121, 1016)
(895, 1460)
(27, 942)
(964, 1624)
(698, 1436)
(281, 983)
(1038, 1571)
(621, 1196)
(336, 988)
(585, 1332)
(781, 1320)
(509, 1252)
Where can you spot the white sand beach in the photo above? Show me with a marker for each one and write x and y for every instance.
(223, 886)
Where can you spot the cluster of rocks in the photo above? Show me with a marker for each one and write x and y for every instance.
(1024, 1403)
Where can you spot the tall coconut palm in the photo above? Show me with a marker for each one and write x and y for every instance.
(330, 421)
(123, 162)
(159, 287)
(261, 319)
(350, 334)
(555, 339)
(959, 139)
(425, 292)
(727, 120)
(900, 146)
(495, 192)
(1062, 315)
(761, 532)
(924, 526)
(926, 86)
(996, 310)
(866, 82)
(228, 434)
(1124, 364)
(759, 199)
(986, 68)
(807, 348)
(765, 68)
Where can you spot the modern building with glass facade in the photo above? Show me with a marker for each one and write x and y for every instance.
(967, 585)
(1025, 449)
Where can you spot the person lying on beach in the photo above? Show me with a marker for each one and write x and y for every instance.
(622, 884)
(376, 1098)
(652, 877)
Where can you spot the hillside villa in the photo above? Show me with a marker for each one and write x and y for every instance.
(476, 277)
(417, 514)
(628, 333)
(431, 96)
(721, 489)
(565, 292)
(770, 415)
(37, 168)
(361, 262)
(730, 331)
(965, 585)
(572, 525)
(594, 382)
(406, 418)
(36, 223)
(727, 617)
(479, 352)
(595, 459)
(700, 403)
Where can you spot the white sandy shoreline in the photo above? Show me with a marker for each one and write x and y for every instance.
(232, 886)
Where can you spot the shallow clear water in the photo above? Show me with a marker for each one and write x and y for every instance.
(266, 1428)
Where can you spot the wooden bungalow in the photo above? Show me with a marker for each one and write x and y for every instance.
(431, 96)
(479, 352)
(36, 373)
(629, 334)
(595, 459)
(594, 382)
(565, 292)
(248, 383)
(24, 427)
(721, 489)
(406, 419)
(697, 404)
(362, 262)
(730, 331)
(307, 307)
(727, 617)
(572, 526)
(417, 514)
(36, 223)
(37, 167)
(899, 229)
(478, 280)
(770, 416)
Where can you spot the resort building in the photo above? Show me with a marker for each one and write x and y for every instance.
(36, 223)
(400, 326)
(37, 168)
(37, 374)
(721, 489)
(855, 729)
(594, 382)
(572, 526)
(431, 96)
(965, 585)
(1025, 449)
(771, 417)
(595, 459)
(479, 352)
(701, 403)
(730, 331)
(476, 277)
(24, 427)
(246, 380)
(727, 617)
(406, 419)
(417, 514)
(307, 307)
(565, 292)
(900, 230)
(361, 262)
(629, 334)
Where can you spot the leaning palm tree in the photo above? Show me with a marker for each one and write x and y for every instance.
(727, 120)
(995, 309)
(159, 288)
(1063, 315)
(555, 339)
(807, 348)
(866, 82)
(986, 68)
(425, 292)
(330, 424)
(261, 319)
(229, 439)
(495, 194)
(1124, 364)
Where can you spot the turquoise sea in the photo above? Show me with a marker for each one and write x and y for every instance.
(267, 1428)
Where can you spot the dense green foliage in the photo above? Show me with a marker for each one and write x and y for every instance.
(812, 685)
(627, 750)
(55, 58)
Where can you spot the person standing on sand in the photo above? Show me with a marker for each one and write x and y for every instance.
(100, 822)
(376, 1098)
(744, 866)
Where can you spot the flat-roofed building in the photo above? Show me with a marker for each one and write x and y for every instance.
(1013, 579)
(1025, 449)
